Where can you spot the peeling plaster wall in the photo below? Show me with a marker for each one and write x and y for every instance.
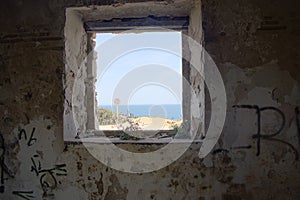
(256, 47)
(75, 115)
(195, 32)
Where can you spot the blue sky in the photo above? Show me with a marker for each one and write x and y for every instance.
(139, 68)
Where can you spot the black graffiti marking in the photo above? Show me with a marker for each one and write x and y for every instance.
(57, 170)
(24, 194)
(258, 136)
(242, 147)
(36, 167)
(3, 166)
(22, 131)
(273, 95)
(217, 151)
(297, 113)
(256, 108)
(31, 140)
(282, 122)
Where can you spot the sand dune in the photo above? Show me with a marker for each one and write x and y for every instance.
(145, 123)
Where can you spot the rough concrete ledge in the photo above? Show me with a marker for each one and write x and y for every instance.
(106, 140)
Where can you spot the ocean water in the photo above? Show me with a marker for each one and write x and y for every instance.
(170, 111)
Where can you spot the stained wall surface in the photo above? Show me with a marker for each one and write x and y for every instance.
(255, 45)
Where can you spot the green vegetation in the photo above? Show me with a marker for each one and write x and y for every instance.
(107, 117)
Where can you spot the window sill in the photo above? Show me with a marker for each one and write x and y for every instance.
(105, 140)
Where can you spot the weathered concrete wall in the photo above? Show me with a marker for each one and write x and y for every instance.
(256, 47)
(196, 80)
(75, 75)
(255, 44)
(31, 77)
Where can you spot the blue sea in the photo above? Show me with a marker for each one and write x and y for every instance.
(170, 111)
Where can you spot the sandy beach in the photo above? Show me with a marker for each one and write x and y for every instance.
(144, 123)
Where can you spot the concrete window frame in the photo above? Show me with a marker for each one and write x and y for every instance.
(81, 25)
